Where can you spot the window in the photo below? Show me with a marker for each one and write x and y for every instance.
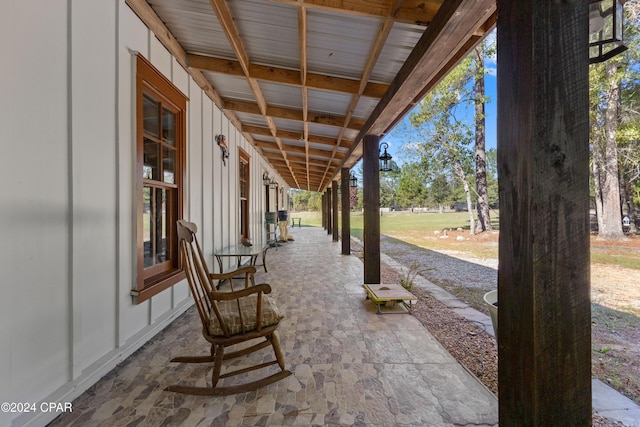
(244, 195)
(160, 143)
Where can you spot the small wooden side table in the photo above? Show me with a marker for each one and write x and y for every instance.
(381, 294)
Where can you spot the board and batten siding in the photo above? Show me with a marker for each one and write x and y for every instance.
(69, 215)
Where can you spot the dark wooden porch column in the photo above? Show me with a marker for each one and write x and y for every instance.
(544, 336)
(329, 213)
(323, 204)
(371, 196)
(334, 208)
(346, 211)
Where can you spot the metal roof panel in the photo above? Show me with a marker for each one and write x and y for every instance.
(269, 32)
(339, 45)
(399, 44)
(195, 25)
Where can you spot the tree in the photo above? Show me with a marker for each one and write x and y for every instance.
(484, 218)
(315, 201)
(440, 190)
(446, 136)
(492, 177)
(389, 185)
(607, 144)
(412, 190)
(628, 133)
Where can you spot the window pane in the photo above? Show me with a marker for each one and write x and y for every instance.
(150, 168)
(169, 165)
(154, 231)
(150, 115)
(243, 215)
(168, 127)
(161, 225)
(243, 179)
(147, 226)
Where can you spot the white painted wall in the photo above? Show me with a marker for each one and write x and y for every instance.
(68, 216)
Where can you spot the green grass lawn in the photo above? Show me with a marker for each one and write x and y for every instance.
(409, 226)
(396, 221)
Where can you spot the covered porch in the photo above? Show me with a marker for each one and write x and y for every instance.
(295, 91)
(350, 366)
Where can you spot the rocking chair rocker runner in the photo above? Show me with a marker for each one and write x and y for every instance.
(228, 318)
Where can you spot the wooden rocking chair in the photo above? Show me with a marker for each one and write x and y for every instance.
(228, 318)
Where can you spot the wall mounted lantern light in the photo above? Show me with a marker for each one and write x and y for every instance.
(385, 158)
(605, 29)
(266, 181)
(353, 181)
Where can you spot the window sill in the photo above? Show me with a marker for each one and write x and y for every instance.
(156, 284)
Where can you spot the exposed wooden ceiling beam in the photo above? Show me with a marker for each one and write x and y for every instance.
(311, 169)
(297, 150)
(443, 43)
(291, 114)
(316, 139)
(302, 43)
(222, 11)
(285, 76)
(374, 54)
(313, 162)
(417, 12)
(160, 30)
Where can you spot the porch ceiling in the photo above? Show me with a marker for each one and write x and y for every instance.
(306, 80)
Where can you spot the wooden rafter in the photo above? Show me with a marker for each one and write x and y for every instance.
(382, 36)
(298, 149)
(151, 20)
(284, 134)
(452, 34)
(285, 76)
(221, 8)
(453, 29)
(302, 43)
(417, 12)
(292, 114)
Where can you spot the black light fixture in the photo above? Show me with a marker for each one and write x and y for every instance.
(606, 18)
(385, 158)
(353, 181)
(266, 181)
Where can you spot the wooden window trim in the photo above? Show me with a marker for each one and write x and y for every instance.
(154, 280)
(244, 220)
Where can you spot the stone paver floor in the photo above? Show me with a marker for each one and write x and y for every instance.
(350, 366)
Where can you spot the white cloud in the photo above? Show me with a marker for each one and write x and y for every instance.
(491, 61)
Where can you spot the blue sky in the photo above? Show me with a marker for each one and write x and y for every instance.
(396, 140)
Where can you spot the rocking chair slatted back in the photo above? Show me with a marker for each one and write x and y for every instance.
(202, 287)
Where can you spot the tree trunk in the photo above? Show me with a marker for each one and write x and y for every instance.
(612, 224)
(624, 194)
(598, 166)
(459, 171)
(484, 219)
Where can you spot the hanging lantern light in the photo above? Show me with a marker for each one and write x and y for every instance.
(606, 18)
(385, 158)
(353, 181)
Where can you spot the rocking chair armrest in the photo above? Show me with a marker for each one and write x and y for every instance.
(230, 274)
(225, 296)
